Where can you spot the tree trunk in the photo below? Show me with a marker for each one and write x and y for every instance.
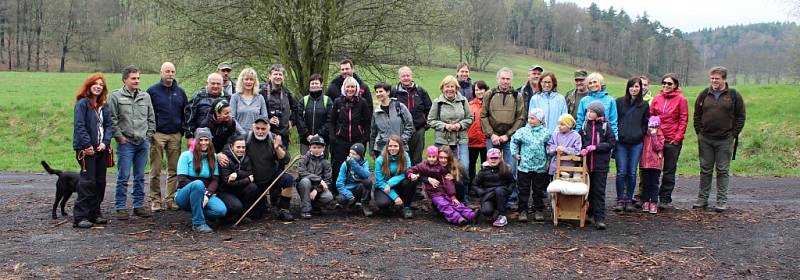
(18, 42)
(67, 35)
(39, 18)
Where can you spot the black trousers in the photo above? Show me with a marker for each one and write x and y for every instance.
(597, 195)
(493, 199)
(535, 184)
(474, 153)
(406, 190)
(340, 150)
(361, 193)
(237, 201)
(650, 185)
(91, 187)
(671, 154)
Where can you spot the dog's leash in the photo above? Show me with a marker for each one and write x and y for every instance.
(82, 159)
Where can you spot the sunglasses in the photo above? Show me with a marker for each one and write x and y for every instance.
(667, 83)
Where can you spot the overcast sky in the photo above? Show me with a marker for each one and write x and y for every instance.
(693, 15)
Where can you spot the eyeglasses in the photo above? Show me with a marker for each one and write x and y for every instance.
(667, 83)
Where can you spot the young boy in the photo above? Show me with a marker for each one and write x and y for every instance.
(314, 176)
(353, 181)
(529, 147)
(598, 139)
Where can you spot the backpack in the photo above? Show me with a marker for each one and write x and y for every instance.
(464, 104)
(494, 92)
(324, 101)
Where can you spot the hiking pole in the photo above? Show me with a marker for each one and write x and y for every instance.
(285, 168)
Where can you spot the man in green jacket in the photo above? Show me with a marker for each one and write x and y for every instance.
(133, 123)
(574, 96)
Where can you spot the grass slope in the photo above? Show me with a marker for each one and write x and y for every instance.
(36, 117)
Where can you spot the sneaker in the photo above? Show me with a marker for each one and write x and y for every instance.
(500, 222)
(172, 205)
(285, 215)
(357, 205)
(665, 205)
(523, 217)
(305, 215)
(620, 206)
(99, 221)
(408, 213)
(121, 214)
(155, 206)
(538, 216)
(653, 208)
(141, 212)
(367, 211)
(461, 221)
(350, 202)
(700, 204)
(83, 224)
(721, 207)
(204, 228)
(646, 207)
(628, 206)
(600, 225)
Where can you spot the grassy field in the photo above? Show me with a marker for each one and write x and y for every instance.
(36, 117)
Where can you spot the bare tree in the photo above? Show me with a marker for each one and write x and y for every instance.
(480, 30)
(68, 32)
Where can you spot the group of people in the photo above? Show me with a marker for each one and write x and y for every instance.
(238, 134)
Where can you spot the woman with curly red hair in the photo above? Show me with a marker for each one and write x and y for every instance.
(91, 139)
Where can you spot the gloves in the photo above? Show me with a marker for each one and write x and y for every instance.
(591, 148)
(584, 152)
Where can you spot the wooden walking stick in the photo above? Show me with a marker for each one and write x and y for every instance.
(285, 168)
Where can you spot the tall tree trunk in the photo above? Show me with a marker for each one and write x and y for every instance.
(18, 42)
(39, 18)
(28, 34)
(67, 35)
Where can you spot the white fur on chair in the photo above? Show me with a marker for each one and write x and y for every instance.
(568, 188)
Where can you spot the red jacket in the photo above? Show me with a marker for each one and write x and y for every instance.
(673, 109)
(475, 136)
(652, 151)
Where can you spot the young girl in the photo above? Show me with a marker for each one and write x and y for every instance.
(493, 185)
(353, 181)
(236, 187)
(528, 146)
(597, 138)
(651, 164)
(391, 185)
(456, 173)
(565, 141)
(440, 190)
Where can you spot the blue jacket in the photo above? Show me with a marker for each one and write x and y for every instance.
(608, 102)
(553, 104)
(349, 177)
(85, 126)
(381, 180)
(531, 144)
(168, 104)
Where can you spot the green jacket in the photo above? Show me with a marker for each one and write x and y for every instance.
(445, 112)
(132, 115)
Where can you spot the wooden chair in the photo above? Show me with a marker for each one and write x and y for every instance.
(570, 207)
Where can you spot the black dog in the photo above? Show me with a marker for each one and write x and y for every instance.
(66, 185)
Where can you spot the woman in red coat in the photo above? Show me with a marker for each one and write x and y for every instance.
(672, 108)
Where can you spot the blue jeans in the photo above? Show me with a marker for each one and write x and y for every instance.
(512, 162)
(131, 156)
(190, 197)
(627, 159)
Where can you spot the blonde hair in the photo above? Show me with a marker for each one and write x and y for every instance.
(350, 81)
(247, 73)
(449, 80)
(567, 119)
(596, 76)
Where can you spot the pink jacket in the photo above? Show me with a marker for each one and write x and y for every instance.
(652, 151)
(673, 109)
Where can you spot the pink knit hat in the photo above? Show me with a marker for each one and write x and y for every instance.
(432, 151)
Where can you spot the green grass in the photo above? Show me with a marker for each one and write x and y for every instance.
(36, 116)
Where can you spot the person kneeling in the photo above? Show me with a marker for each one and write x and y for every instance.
(315, 177)
(197, 182)
(391, 185)
(442, 192)
(353, 181)
(493, 185)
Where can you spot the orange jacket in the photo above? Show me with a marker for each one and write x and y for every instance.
(474, 133)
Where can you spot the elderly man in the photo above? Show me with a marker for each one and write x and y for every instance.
(719, 116)
(419, 104)
(200, 105)
(168, 99)
(283, 110)
(268, 159)
(575, 95)
(133, 123)
(531, 88)
(228, 86)
(347, 69)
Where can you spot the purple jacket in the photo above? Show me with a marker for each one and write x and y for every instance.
(570, 140)
(438, 172)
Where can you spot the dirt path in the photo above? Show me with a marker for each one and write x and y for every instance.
(756, 239)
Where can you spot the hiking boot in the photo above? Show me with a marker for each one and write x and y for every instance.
(523, 217)
(350, 202)
(721, 207)
(620, 206)
(646, 207)
(700, 203)
(538, 216)
(305, 215)
(141, 212)
(121, 214)
(665, 206)
(600, 225)
(99, 221)
(285, 216)
(500, 222)
(367, 211)
(155, 206)
(172, 205)
(408, 213)
(83, 224)
(653, 208)
(628, 206)
(204, 228)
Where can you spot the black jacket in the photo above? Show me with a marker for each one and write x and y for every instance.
(315, 116)
(349, 121)
(489, 177)
(264, 159)
(198, 109)
(168, 105)
(632, 121)
(335, 90)
(416, 100)
(280, 100)
(465, 88)
(241, 166)
(221, 132)
(599, 134)
(85, 125)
